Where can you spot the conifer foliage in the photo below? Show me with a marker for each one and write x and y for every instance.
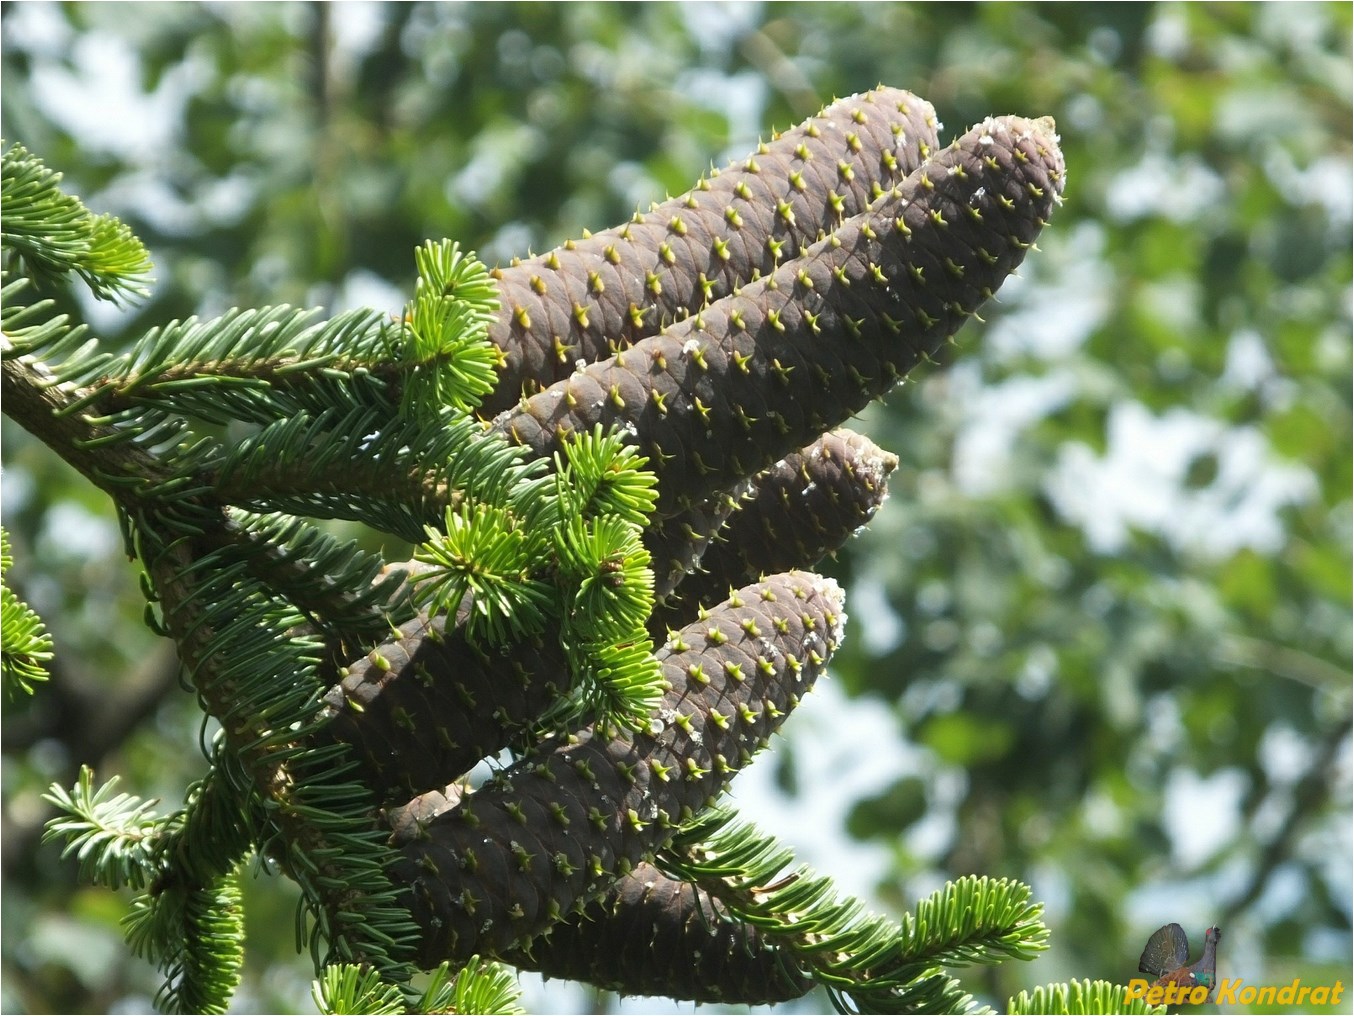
(650, 387)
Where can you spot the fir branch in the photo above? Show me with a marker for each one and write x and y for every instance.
(32, 329)
(137, 465)
(591, 297)
(346, 593)
(621, 683)
(600, 475)
(53, 234)
(368, 465)
(567, 552)
(755, 375)
(975, 920)
(27, 646)
(486, 558)
(448, 321)
(344, 988)
(1085, 996)
(259, 682)
(331, 386)
(552, 832)
(607, 571)
(254, 365)
(477, 987)
(267, 364)
(113, 835)
(203, 971)
(585, 581)
(879, 965)
(930, 992)
(187, 921)
(115, 262)
(329, 846)
(218, 825)
(461, 462)
(33, 398)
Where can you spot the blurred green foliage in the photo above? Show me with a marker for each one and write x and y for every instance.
(1109, 599)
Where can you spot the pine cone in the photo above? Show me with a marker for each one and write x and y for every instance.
(795, 513)
(654, 935)
(677, 544)
(648, 934)
(424, 708)
(755, 375)
(557, 829)
(595, 296)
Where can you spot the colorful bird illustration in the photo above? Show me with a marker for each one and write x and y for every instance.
(1167, 953)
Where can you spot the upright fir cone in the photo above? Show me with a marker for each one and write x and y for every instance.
(795, 513)
(592, 297)
(556, 830)
(425, 706)
(677, 544)
(753, 376)
(653, 935)
(647, 934)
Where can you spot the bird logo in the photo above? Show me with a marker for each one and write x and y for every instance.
(1167, 954)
